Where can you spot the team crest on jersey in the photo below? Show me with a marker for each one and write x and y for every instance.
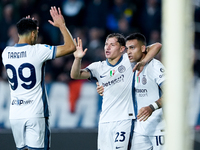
(121, 69)
(144, 80)
(112, 72)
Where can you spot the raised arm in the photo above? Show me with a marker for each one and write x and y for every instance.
(58, 21)
(76, 71)
(152, 51)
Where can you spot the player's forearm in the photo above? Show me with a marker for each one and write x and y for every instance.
(77, 72)
(76, 68)
(159, 103)
(152, 51)
(69, 45)
(156, 105)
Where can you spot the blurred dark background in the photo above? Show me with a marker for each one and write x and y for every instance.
(92, 21)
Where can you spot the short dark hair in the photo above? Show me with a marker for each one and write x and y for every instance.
(138, 36)
(120, 38)
(26, 25)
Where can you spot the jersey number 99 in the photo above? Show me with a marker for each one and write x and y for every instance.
(29, 81)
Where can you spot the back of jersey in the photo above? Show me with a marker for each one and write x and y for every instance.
(25, 69)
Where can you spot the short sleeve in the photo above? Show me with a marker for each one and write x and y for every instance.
(93, 68)
(157, 72)
(46, 52)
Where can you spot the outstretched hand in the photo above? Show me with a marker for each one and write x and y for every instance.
(79, 53)
(58, 19)
(139, 66)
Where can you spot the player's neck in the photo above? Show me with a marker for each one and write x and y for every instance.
(23, 40)
(143, 56)
(114, 61)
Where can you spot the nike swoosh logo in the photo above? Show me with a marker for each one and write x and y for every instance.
(118, 147)
(102, 76)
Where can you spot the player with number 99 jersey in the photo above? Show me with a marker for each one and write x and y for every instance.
(25, 66)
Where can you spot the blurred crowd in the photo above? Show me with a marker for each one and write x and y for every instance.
(92, 21)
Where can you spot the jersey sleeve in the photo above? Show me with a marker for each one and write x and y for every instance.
(157, 72)
(93, 69)
(46, 52)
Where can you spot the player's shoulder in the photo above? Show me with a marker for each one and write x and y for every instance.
(98, 64)
(42, 45)
(155, 62)
(5, 50)
(155, 66)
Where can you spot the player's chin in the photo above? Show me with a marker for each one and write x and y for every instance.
(131, 60)
(108, 56)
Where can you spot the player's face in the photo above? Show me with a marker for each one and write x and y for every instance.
(135, 50)
(113, 49)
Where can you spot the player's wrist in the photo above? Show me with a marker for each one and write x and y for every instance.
(78, 58)
(154, 106)
(159, 105)
(143, 62)
(62, 26)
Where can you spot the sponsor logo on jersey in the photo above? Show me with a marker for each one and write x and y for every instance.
(112, 72)
(121, 69)
(21, 102)
(144, 80)
(13, 55)
(141, 92)
(112, 82)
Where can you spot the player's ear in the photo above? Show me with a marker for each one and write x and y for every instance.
(143, 48)
(122, 49)
(33, 33)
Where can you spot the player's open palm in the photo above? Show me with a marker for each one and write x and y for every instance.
(79, 53)
(57, 17)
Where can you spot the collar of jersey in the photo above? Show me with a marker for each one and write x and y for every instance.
(116, 63)
(18, 45)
